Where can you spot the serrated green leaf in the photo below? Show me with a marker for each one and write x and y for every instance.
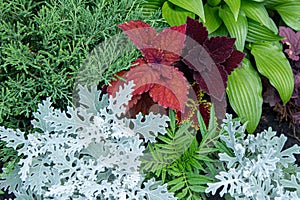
(201, 123)
(150, 6)
(213, 21)
(260, 33)
(175, 15)
(203, 158)
(290, 14)
(197, 179)
(272, 63)
(194, 6)
(178, 186)
(198, 188)
(259, 13)
(244, 90)
(234, 6)
(237, 29)
(182, 194)
(172, 120)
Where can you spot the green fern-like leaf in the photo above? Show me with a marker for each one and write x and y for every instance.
(179, 160)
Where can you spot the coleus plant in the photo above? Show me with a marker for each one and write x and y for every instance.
(178, 64)
(254, 25)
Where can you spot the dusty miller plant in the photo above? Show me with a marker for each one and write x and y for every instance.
(256, 167)
(88, 152)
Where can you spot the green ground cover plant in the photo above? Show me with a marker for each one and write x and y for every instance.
(43, 45)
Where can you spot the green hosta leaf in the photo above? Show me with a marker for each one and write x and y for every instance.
(150, 6)
(195, 6)
(259, 1)
(260, 33)
(237, 29)
(214, 2)
(290, 14)
(213, 21)
(273, 3)
(258, 12)
(234, 6)
(244, 90)
(272, 63)
(175, 15)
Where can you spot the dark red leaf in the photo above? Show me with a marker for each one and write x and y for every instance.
(212, 82)
(170, 40)
(219, 48)
(199, 59)
(195, 32)
(233, 61)
(140, 33)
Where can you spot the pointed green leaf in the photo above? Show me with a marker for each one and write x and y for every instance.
(150, 6)
(260, 33)
(195, 6)
(272, 3)
(272, 63)
(259, 13)
(213, 2)
(175, 15)
(213, 21)
(234, 6)
(290, 14)
(244, 90)
(237, 29)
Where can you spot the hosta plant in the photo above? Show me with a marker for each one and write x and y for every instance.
(88, 152)
(256, 167)
(291, 44)
(253, 24)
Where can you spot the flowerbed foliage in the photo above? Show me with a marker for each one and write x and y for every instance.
(93, 152)
(42, 46)
(254, 24)
(151, 131)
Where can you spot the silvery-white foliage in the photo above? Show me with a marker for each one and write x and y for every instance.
(259, 169)
(87, 152)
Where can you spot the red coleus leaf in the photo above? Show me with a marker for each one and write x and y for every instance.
(154, 74)
(163, 48)
(140, 33)
(292, 39)
(169, 90)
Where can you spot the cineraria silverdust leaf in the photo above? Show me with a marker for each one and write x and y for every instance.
(292, 40)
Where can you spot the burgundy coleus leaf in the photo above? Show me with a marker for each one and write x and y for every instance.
(233, 61)
(211, 59)
(292, 40)
(219, 48)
